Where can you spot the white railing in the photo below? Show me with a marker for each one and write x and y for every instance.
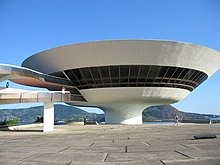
(38, 96)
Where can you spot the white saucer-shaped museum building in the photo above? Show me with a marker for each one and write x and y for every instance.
(123, 77)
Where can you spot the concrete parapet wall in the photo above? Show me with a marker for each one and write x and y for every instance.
(17, 127)
(205, 121)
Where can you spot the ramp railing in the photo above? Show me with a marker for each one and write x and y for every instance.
(39, 96)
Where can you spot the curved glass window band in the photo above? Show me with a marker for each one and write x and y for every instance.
(136, 76)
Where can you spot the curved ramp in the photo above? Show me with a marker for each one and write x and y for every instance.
(31, 77)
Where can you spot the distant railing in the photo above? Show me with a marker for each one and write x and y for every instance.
(39, 96)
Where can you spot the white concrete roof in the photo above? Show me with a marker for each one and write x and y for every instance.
(126, 52)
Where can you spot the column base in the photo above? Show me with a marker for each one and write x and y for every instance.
(124, 113)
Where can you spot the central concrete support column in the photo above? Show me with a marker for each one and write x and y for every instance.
(48, 117)
(124, 113)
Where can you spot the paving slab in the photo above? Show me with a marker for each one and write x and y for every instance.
(201, 153)
(119, 163)
(204, 146)
(111, 145)
(214, 161)
(16, 156)
(163, 147)
(144, 156)
(67, 157)
(3, 162)
(41, 149)
(101, 149)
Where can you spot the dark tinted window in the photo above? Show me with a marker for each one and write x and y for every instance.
(134, 71)
(124, 71)
(162, 72)
(144, 71)
(95, 72)
(153, 71)
(104, 72)
(135, 75)
(114, 70)
(170, 71)
(77, 74)
(178, 71)
(86, 73)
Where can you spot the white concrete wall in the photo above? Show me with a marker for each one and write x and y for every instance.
(149, 95)
(125, 105)
(48, 117)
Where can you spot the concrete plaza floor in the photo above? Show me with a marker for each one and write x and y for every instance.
(112, 144)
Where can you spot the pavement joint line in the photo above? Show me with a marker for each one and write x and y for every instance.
(105, 155)
(158, 139)
(43, 144)
(183, 154)
(28, 157)
(63, 149)
(35, 161)
(162, 162)
(126, 149)
(146, 143)
(187, 146)
(91, 144)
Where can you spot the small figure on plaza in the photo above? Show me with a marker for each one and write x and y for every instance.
(176, 119)
(63, 90)
(7, 85)
(84, 120)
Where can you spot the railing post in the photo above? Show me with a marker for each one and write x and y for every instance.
(20, 97)
(69, 97)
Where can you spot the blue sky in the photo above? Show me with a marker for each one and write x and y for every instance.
(28, 27)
